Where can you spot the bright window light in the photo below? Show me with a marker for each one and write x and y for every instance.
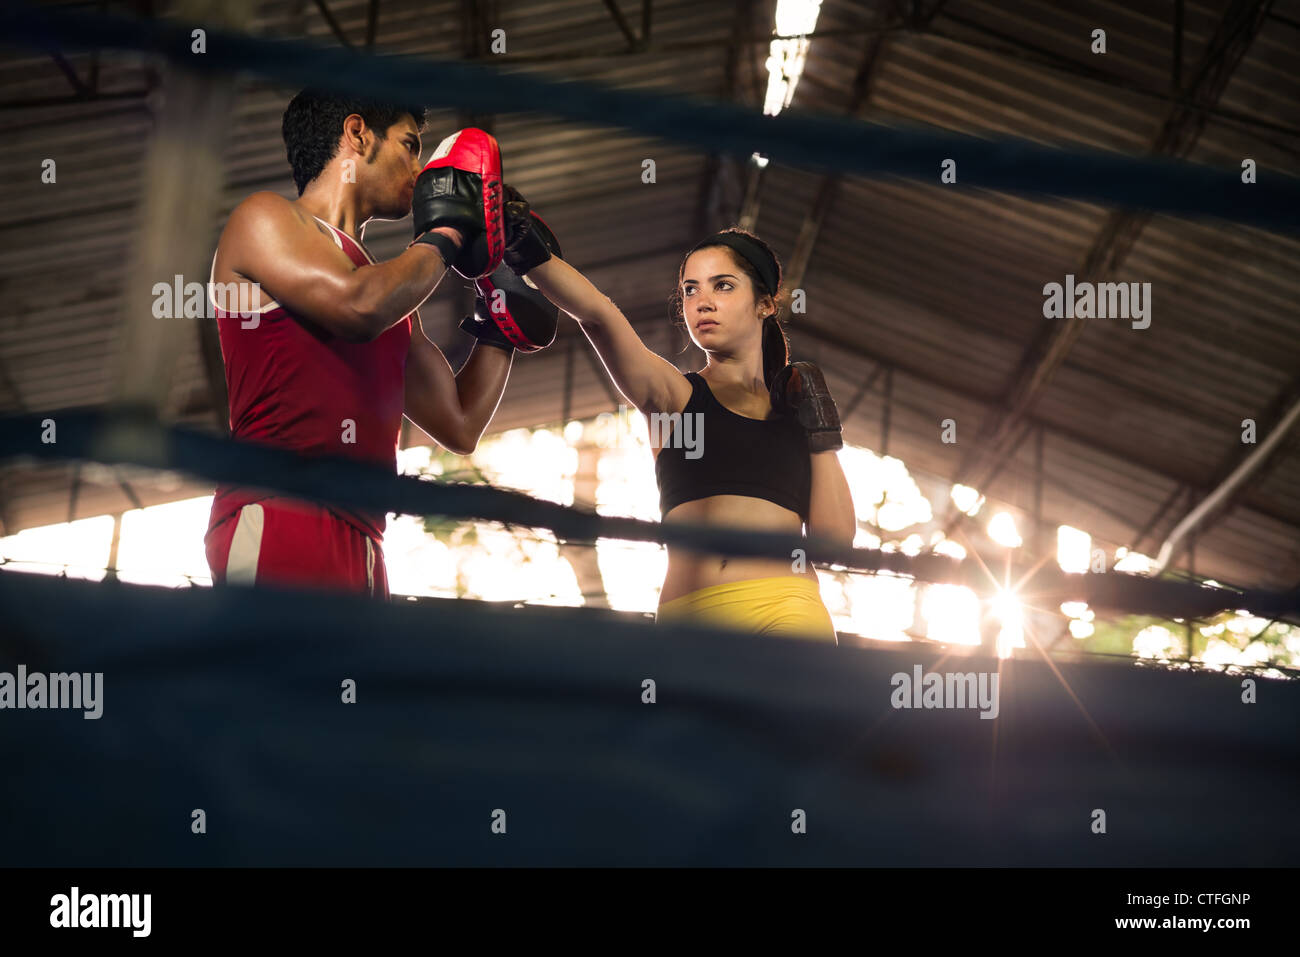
(946, 546)
(1154, 641)
(1132, 562)
(967, 499)
(78, 548)
(952, 614)
(1081, 629)
(1012, 635)
(163, 544)
(1002, 529)
(786, 58)
(632, 573)
(880, 607)
(885, 482)
(1077, 609)
(1073, 549)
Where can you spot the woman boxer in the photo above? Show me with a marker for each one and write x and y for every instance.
(755, 444)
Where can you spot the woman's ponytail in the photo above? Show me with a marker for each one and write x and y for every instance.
(776, 349)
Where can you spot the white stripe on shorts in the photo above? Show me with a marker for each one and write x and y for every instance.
(246, 546)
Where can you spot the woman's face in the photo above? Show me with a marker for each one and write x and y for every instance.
(718, 302)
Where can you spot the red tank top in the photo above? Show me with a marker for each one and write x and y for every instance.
(295, 386)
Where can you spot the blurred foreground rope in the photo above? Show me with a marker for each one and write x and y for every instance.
(126, 437)
(810, 140)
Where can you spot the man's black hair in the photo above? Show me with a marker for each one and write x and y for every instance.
(313, 122)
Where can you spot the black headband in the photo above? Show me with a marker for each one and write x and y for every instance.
(753, 253)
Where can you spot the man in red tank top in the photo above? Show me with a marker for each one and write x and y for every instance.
(325, 353)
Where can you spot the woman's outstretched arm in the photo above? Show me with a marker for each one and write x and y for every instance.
(650, 382)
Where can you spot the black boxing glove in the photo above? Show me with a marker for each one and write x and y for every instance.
(529, 241)
(510, 313)
(461, 188)
(800, 390)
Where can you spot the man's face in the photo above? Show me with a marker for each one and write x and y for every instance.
(394, 163)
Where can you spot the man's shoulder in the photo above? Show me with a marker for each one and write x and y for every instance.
(264, 223)
(265, 206)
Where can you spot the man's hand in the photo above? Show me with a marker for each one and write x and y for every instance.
(460, 188)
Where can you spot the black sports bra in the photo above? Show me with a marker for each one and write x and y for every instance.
(717, 452)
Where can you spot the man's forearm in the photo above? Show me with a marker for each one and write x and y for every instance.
(479, 386)
(387, 292)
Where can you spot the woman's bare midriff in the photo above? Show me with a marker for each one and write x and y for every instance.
(690, 571)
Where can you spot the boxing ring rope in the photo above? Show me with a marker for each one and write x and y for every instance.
(126, 438)
(808, 140)
(228, 699)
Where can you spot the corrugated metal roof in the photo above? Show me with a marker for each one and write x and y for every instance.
(943, 285)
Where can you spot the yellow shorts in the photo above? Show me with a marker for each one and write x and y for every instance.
(789, 606)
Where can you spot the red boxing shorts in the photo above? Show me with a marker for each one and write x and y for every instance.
(291, 544)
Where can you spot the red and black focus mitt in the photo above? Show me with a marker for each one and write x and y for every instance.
(800, 390)
(510, 313)
(460, 187)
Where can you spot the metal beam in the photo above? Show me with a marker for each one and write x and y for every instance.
(10, 400)
(810, 229)
(9, 395)
(42, 102)
(886, 412)
(334, 25)
(1243, 468)
(1150, 525)
(110, 571)
(128, 491)
(623, 25)
(1233, 458)
(828, 188)
(372, 23)
(79, 87)
(704, 222)
(1176, 136)
(863, 389)
(183, 167)
(74, 491)
(1176, 80)
(752, 202)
